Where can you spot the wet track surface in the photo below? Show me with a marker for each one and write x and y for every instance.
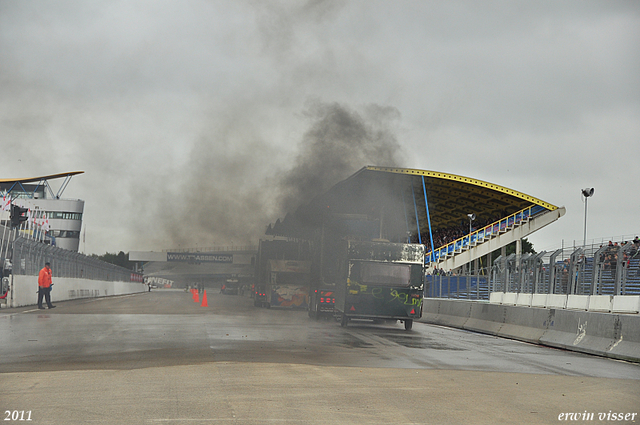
(165, 331)
(167, 327)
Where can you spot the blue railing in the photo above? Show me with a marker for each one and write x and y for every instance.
(487, 232)
(464, 287)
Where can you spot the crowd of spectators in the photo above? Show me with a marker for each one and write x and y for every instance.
(609, 257)
(442, 237)
(441, 272)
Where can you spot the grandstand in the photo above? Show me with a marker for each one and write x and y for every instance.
(459, 219)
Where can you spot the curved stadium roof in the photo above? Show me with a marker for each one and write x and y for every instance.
(396, 196)
(41, 178)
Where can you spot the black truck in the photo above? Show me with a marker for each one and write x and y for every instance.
(379, 280)
(327, 256)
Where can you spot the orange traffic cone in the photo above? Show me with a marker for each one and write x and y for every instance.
(196, 297)
(193, 294)
(204, 299)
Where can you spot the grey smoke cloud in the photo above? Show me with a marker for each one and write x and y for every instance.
(231, 191)
(339, 141)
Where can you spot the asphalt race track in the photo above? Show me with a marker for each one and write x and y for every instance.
(161, 358)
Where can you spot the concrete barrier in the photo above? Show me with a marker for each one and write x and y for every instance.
(626, 304)
(627, 339)
(556, 301)
(430, 309)
(524, 299)
(539, 300)
(496, 297)
(578, 302)
(509, 298)
(525, 324)
(602, 303)
(452, 313)
(24, 289)
(485, 318)
(584, 331)
(601, 333)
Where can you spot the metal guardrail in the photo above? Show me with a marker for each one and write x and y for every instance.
(605, 270)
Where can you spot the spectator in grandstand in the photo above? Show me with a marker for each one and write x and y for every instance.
(635, 251)
(564, 276)
(609, 255)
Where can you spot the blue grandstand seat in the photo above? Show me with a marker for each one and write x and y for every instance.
(458, 245)
(632, 285)
(537, 210)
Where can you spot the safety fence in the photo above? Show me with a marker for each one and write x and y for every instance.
(29, 256)
(596, 270)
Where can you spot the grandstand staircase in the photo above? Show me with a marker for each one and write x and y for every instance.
(492, 237)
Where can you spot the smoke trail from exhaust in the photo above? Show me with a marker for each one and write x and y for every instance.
(235, 186)
(339, 141)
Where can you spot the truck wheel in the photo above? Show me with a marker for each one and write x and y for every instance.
(268, 305)
(344, 321)
(408, 324)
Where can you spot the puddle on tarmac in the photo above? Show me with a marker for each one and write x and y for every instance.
(419, 342)
(350, 341)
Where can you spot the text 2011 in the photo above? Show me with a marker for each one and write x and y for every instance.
(17, 415)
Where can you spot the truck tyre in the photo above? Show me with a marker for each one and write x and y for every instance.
(268, 305)
(408, 324)
(344, 321)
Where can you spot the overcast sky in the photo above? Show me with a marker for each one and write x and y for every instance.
(191, 118)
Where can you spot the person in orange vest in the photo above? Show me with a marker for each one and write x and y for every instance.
(44, 286)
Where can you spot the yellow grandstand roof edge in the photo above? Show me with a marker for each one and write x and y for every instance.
(36, 179)
(469, 180)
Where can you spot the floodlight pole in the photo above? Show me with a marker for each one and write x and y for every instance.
(584, 241)
(471, 218)
(588, 192)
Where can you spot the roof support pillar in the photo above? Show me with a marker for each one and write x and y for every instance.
(426, 204)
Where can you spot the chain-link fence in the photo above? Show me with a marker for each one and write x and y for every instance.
(29, 257)
(612, 269)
